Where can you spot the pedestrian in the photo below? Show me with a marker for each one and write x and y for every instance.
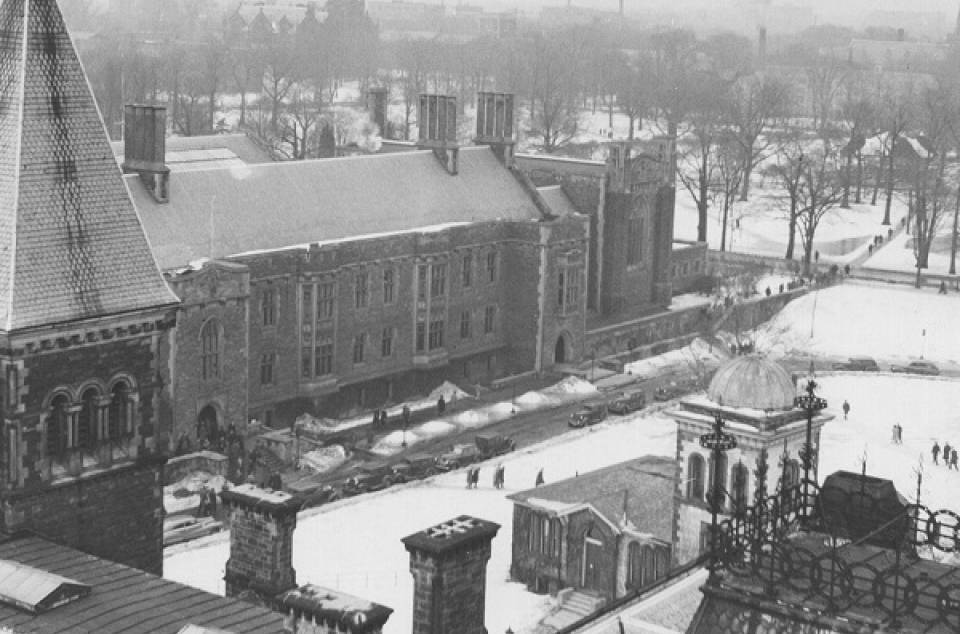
(620, 626)
(899, 434)
(475, 480)
(935, 450)
(946, 454)
(211, 502)
(893, 434)
(870, 249)
(846, 410)
(943, 288)
(816, 256)
(376, 418)
(469, 477)
(406, 416)
(846, 269)
(768, 292)
(275, 482)
(202, 509)
(953, 460)
(781, 288)
(441, 405)
(539, 480)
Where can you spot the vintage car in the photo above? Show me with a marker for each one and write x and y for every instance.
(858, 364)
(323, 494)
(458, 456)
(627, 401)
(183, 528)
(418, 465)
(588, 415)
(917, 367)
(373, 476)
(491, 445)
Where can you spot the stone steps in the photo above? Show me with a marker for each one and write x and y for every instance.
(574, 607)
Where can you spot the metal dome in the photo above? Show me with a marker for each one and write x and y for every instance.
(752, 382)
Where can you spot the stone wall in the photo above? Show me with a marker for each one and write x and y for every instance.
(541, 572)
(179, 467)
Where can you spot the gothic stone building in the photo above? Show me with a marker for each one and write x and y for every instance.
(326, 286)
(84, 311)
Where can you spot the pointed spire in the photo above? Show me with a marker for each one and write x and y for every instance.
(71, 243)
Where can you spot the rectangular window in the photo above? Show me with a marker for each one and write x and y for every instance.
(388, 275)
(268, 306)
(324, 357)
(466, 273)
(438, 280)
(360, 290)
(561, 281)
(386, 343)
(421, 336)
(436, 334)
(326, 300)
(492, 266)
(489, 318)
(267, 362)
(465, 325)
(306, 362)
(422, 282)
(634, 240)
(359, 347)
(306, 306)
(572, 294)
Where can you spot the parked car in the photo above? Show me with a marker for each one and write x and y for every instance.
(372, 476)
(667, 392)
(858, 364)
(419, 465)
(458, 456)
(324, 494)
(183, 528)
(588, 415)
(491, 445)
(917, 367)
(627, 401)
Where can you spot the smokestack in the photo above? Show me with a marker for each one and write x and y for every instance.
(377, 107)
(144, 147)
(437, 121)
(762, 46)
(495, 124)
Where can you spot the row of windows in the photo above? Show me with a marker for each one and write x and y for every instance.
(92, 423)
(700, 479)
(568, 288)
(544, 535)
(326, 291)
(646, 564)
(431, 336)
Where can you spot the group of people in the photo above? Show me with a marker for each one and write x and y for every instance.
(896, 434)
(473, 477)
(948, 453)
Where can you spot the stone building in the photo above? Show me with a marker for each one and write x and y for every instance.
(607, 532)
(85, 314)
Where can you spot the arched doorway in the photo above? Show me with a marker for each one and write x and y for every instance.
(560, 350)
(207, 425)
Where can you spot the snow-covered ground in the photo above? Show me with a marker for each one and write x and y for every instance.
(856, 319)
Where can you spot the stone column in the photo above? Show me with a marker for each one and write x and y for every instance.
(449, 567)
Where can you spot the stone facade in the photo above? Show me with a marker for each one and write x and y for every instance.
(261, 542)
(449, 567)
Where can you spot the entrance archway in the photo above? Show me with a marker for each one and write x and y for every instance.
(207, 425)
(560, 350)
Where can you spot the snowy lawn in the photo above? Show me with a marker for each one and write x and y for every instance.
(855, 319)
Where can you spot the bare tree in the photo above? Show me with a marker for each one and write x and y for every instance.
(755, 101)
(788, 170)
(896, 114)
(821, 189)
(858, 117)
(730, 172)
(556, 85)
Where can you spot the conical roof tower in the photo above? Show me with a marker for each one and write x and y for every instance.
(71, 244)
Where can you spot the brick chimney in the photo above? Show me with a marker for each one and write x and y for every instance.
(261, 541)
(449, 567)
(144, 147)
(437, 121)
(495, 124)
(377, 107)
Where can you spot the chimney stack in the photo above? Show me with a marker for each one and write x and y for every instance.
(437, 121)
(762, 46)
(495, 124)
(377, 107)
(449, 567)
(144, 148)
(261, 542)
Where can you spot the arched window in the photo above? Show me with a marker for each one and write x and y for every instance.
(739, 481)
(695, 477)
(119, 423)
(58, 430)
(87, 420)
(210, 350)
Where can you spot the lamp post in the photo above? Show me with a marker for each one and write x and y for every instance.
(812, 404)
(718, 443)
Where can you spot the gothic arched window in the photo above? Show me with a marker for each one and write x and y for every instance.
(58, 429)
(87, 419)
(210, 350)
(695, 476)
(119, 413)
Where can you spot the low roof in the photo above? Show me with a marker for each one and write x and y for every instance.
(188, 152)
(647, 483)
(558, 200)
(221, 212)
(123, 599)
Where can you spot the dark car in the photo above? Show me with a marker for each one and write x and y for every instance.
(494, 445)
(419, 465)
(628, 401)
(458, 456)
(667, 392)
(858, 364)
(917, 367)
(372, 476)
(588, 415)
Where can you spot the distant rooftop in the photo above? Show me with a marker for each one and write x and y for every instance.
(206, 151)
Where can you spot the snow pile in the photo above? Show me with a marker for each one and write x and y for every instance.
(571, 385)
(184, 494)
(324, 458)
(393, 442)
(532, 398)
(894, 322)
(319, 427)
(449, 391)
(436, 428)
(697, 353)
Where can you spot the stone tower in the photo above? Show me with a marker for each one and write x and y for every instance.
(261, 541)
(449, 567)
(84, 311)
(755, 397)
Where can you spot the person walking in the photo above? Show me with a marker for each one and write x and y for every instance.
(953, 460)
(441, 405)
(935, 451)
(376, 418)
(476, 477)
(846, 410)
(893, 434)
(946, 454)
(899, 434)
(469, 477)
(539, 480)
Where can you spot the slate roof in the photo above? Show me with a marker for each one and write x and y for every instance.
(282, 204)
(71, 245)
(558, 201)
(124, 599)
(648, 481)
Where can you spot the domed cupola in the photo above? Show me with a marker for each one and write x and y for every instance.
(752, 382)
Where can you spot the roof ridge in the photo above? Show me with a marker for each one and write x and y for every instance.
(8, 308)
